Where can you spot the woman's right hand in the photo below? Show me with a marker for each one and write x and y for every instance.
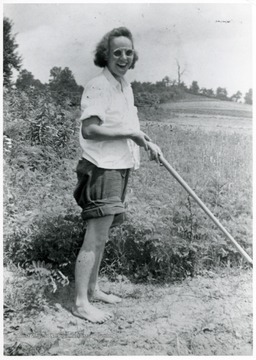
(140, 138)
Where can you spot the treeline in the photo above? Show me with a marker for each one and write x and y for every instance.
(61, 85)
(62, 81)
(168, 90)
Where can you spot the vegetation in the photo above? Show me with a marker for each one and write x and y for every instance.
(166, 237)
(11, 58)
(27, 81)
(248, 97)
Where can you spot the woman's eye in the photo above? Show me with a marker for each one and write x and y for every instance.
(118, 53)
(129, 52)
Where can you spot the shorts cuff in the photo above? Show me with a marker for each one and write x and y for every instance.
(99, 211)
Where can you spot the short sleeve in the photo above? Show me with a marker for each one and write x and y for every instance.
(94, 102)
(133, 108)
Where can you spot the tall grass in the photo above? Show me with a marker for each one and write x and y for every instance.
(166, 235)
(170, 232)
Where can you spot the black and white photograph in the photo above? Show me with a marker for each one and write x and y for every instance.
(127, 179)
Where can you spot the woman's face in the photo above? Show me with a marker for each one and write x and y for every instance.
(120, 56)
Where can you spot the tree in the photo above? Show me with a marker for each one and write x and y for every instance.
(194, 88)
(183, 86)
(11, 58)
(167, 81)
(137, 86)
(203, 91)
(161, 85)
(206, 92)
(180, 72)
(210, 92)
(248, 97)
(24, 80)
(62, 80)
(27, 81)
(221, 93)
(237, 96)
(63, 85)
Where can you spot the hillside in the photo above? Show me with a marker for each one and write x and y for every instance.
(201, 105)
(197, 112)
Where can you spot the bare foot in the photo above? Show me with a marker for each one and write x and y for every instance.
(91, 313)
(108, 298)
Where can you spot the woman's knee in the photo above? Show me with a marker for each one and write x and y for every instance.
(99, 228)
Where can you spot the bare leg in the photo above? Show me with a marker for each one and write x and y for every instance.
(87, 264)
(94, 291)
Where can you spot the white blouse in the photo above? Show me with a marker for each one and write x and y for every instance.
(113, 104)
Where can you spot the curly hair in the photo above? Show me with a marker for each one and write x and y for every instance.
(102, 49)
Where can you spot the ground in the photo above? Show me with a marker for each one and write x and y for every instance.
(210, 314)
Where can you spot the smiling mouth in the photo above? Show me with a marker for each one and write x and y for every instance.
(122, 66)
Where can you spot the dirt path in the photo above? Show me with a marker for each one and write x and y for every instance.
(206, 315)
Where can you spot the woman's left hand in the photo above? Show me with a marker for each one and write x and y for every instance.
(154, 152)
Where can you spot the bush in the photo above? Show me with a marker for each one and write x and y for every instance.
(39, 177)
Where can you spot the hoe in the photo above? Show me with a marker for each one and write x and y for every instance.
(174, 173)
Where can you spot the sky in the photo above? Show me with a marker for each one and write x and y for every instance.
(211, 42)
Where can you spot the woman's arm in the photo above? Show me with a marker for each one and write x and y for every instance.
(92, 130)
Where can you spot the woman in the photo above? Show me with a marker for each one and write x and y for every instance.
(110, 139)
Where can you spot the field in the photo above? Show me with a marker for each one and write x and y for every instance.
(189, 290)
(211, 114)
(208, 114)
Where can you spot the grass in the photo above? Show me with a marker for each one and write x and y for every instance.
(167, 235)
(216, 165)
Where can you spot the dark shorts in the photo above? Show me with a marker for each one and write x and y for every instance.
(100, 192)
